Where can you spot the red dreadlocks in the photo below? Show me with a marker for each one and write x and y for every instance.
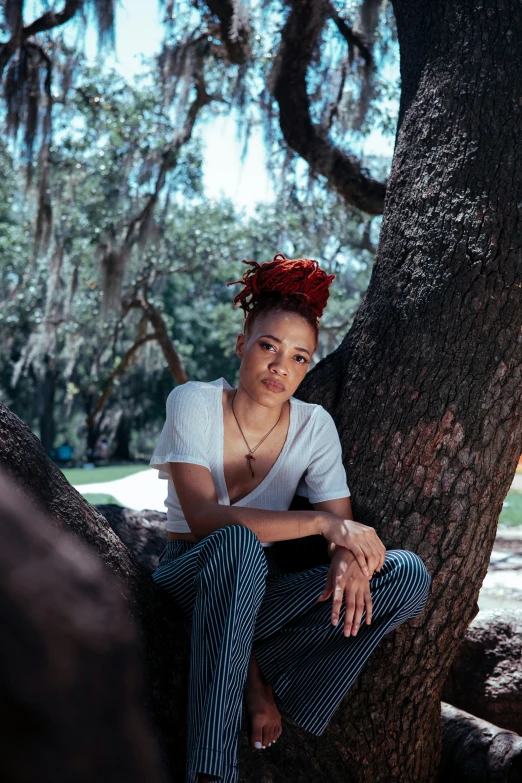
(293, 279)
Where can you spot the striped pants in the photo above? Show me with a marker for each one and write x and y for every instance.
(240, 601)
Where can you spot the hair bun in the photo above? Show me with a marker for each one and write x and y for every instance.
(299, 277)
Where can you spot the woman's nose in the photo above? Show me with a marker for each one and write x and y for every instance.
(279, 364)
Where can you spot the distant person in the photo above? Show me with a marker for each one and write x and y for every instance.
(234, 459)
(64, 453)
(101, 449)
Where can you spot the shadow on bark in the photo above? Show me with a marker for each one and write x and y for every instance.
(71, 679)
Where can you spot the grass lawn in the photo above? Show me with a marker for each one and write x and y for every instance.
(105, 473)
(97, 499)
(511, 514)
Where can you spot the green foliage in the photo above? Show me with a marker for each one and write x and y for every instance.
(109, 138)
(198, 251)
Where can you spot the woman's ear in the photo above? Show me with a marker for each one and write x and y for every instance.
(240, 343)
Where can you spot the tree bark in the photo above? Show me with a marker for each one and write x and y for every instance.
(475, 750)
(234, 29)
(163, 639)
(486, 674)
(425, 388)
(71, 706)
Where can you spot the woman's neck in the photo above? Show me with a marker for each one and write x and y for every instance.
(253, 416)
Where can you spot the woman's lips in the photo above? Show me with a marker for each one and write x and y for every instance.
(275, 387)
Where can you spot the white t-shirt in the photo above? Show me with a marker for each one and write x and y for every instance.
(309, 464)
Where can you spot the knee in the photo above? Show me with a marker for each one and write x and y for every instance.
(413, 578)
(239, 542)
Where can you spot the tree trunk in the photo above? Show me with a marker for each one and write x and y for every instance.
(70, 676)
(474, 750)
(121, 444)
(486, 674)
(46, 405)
(425, 388)
(163, 640)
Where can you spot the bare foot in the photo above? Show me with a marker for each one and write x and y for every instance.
(265, 718)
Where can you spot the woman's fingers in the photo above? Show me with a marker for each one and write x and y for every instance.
(375, 553)
(337, 601)
(359, 608)
(371, 557)
(376, 557)
(361, 540)
(349, 610)
(368, 604)
(327, 590)
(361, 559)
(379, 553)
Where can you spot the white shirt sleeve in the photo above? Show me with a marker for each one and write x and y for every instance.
(325, 476)
(185, 432)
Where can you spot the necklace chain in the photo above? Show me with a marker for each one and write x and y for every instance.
(250, 457)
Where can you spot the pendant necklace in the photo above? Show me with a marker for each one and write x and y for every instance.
(250, 456)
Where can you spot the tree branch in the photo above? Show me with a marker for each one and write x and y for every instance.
(174, 360)
(138, 226)
(109, 383)
(114, 260)
(234, 29)
(47, 21)
(52, 19)
(343, 172)
(353, 39)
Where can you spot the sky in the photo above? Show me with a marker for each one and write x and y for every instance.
(139, 33)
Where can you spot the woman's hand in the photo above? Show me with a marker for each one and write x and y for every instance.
(345, 578)
(360, 539)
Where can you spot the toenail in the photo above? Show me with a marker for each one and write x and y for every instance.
(258, 745)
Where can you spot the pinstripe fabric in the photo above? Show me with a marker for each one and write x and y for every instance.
(239, 599)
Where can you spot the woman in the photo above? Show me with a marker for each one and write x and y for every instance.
(234, 459)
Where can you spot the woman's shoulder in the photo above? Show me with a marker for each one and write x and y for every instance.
(311, 408)
(313, 413)
(190, 391)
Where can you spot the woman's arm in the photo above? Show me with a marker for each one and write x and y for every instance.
(341, 507)
(197, 495)
(345, 578)
(374, 549)
(198, 498)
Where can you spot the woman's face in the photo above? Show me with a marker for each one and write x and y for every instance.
(275, 355)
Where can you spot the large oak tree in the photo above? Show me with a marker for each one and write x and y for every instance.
(424, 388)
